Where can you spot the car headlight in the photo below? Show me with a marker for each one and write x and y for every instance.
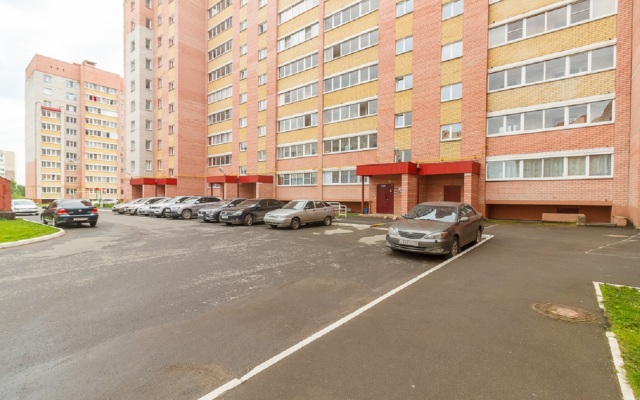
(436, 235)
(393, 231)
(237, 213)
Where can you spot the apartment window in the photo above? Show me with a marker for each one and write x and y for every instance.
(172, 41)
(159, 62)
(298, 65)
(262, 105)
(147, 44)
(262, 155)
(172, 20)
(148, 146)
(47, 103)
(159, 165)
(262, 79)
(451, 92)
(343, 177)
(580, 113)
(132, 146)
(295, 10)
(262, 3)
(358, 142)
(148, 125)
(159, 20)
(550, 20)
(219, 116)
(298, 37)
(47, 78)
(148, 64)
(133, 126)
(452, 9)
(47, 91)
(555, 166)
(171, 85)
(298, 122)
(220, 72)
(133, 106)
(71, 96)
(215, 161)
(243, 74)
(148, 23)
(171, 151)
(221, 27)
(133, 86)
(171, 129)
(72, 84)
(298, 94)
(295, 150)
(171, 107)
(262, 54)
(403, 120)
(148, 165)
(72, 108)
(351, 111)
(243, 98)
(172, 63)
(219, 6)
(451, 132)
(242, 170)
(297, 179)
(404, 45)
(451, 51)
(159, 103)
(351, 45)
(351, 78)
(243, 25)
(243, 146)
(262, 130)
(171, 172)
(159, 41)
(243, 49)
(221, 94)
(159, 123)
(243, 122)
(262, 28)
(349, 14)
(220, 138)
(133, 45)
(218, 51)
(148, 105)
(148, 3)
(147, 84)
(580, 63)
(404, 82)
(404, 7)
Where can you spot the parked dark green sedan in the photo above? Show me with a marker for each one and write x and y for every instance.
(69, 212)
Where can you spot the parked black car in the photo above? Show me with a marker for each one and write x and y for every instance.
(212, 213)
(249, 211)
(69, 211)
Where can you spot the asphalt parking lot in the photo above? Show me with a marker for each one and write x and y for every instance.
(213, 303)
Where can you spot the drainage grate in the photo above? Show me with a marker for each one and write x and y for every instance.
(564, 313)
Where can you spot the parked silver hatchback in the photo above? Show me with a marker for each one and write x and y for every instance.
(189, 208)
(300, 212)
(161, 208)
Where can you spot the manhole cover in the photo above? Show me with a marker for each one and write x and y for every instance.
(564, 313)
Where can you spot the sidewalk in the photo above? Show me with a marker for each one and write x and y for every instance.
(468, 330)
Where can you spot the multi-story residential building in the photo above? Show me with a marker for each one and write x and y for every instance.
(165, 76)
(8, 164)
(520, 108)
(73, 131)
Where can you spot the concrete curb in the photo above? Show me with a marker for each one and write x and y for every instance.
(33, 240)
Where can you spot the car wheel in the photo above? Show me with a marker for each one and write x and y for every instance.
(248, 220)
(478, 236)
(186, 214)
(295, 223)
(163, 214)
(53, 222)
(93, 223)
(455, 247)
(44, 221)
(121, 212)
(327, 221)
(227, 223)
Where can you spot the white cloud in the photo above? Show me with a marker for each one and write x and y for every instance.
(70, 31)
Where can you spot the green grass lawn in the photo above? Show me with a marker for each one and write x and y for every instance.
(19, 229)
(622, 305)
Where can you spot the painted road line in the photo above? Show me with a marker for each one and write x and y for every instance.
(275, 359)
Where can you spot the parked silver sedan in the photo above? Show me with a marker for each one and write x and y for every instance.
(132, 208)
(300, 212)
(436, 228)
(190, 207)
(161, 208)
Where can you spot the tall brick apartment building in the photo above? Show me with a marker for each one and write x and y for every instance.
(519, 108)
(73, 124)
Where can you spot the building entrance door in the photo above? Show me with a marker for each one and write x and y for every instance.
(453, 193)
(384, 199)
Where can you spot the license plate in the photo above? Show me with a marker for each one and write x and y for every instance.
(409, 242)
(224, 217)
(80, 219)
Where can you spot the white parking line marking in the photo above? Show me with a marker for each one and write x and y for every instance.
(617, 253)
(275, 359)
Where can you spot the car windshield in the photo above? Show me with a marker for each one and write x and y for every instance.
(432, 213)
(248, 203)
(23, 203)
(295, 205)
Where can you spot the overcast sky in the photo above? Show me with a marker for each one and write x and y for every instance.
(67, 30)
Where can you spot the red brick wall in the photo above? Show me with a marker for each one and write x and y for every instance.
(5, 194)
(634, 143)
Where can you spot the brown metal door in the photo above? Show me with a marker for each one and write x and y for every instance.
(453, 193)
(384, 203)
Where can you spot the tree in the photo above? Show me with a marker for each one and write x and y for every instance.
(17, 191)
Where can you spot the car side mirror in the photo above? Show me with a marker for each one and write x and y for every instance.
(464, 219)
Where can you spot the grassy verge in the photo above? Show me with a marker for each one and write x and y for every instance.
(622, 305)
(19, 229)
